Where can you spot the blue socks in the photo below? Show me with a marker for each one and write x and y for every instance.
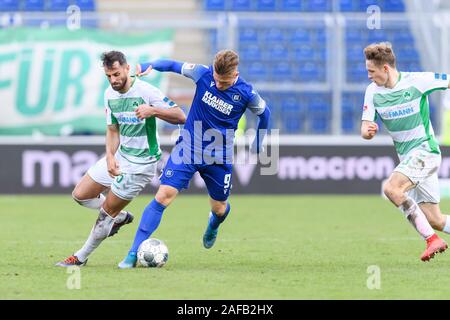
(215, 221)
(151, 217)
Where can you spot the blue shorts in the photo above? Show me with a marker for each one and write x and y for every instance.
(217, 177)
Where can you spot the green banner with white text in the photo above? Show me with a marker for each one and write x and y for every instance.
(52, 81)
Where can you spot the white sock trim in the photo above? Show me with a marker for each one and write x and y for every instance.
(446, 228)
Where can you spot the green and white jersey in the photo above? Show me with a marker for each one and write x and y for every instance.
(139, 144)
(405, 110)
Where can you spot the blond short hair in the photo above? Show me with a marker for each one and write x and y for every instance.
(381, 53)
(225, 62)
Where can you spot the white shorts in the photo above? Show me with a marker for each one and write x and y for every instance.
(126, 186)
(422, 167)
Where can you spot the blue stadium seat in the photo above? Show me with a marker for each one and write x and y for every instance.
(317, 5)
(9, 5)
(293, 122)
(278, 52)
(257, 71)
(364, 4)
(394, 5)
(241, 5)
(58, 5)
(250, 52)
(310, 72)
(319, 123)
(282, 71)
(248, 34)
(355, 52)
(214, 5)
(346, 5)
(266, 5)
(304, 53)
(376, 36)
(291, 5)
(85, 5)
(290, 103)
(300, 36)
(273, 35)
(33, 5)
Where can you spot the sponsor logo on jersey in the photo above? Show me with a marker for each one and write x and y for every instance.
(217, 103)
(397, 113)
(123, 119)
(236, 97)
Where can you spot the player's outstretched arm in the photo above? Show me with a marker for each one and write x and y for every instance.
(172, 115)
(261, 131)
(368, 129)
(162, 65)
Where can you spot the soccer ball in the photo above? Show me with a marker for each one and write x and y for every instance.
(152, 253)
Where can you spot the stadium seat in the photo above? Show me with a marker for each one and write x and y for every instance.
(33, 5)
(278, 52)
(282, 71)
(364, 4)
(214, 5)
(248, 34)
(266, 5)
(58, 5)
(304, 53)
(346, 5)
(241, 5)
(394, 5)
(257, 71)
(250, 52)
(300, 36)
(85, 5)
(317, 5)
(291, 5)
(273, 35)
(293, 123)
(9, 5)
(319, 123)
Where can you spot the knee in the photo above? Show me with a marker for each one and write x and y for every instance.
(77, 196)
(165, 196)
(391, 192)
(219, 208)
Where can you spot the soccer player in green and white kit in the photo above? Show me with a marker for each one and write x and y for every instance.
(132, 151)
(400, 99)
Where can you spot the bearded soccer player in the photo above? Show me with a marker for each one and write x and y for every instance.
(400, 99)
(220, 100)
(132, 151)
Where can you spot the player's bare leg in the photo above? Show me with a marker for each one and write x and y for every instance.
(395, 189)
(105, 226)
(437, 220)
(151, 217)
(219, 211)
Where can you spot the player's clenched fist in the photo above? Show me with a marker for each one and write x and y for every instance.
(372, 129)
(144, 111)
(113, 167)
(143, 69)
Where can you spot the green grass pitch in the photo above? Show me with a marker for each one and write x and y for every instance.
(270, 247)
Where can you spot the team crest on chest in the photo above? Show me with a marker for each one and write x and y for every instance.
(236, 97)
(407, 95)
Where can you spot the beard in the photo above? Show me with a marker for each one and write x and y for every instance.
(121, 85)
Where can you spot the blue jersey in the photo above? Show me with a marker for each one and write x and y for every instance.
(214, 114)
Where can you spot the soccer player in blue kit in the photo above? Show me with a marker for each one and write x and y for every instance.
(206, 142)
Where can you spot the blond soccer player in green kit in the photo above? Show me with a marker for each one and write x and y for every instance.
(400, 99)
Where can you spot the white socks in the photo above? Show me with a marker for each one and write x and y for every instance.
(417, 218)
(95, 203)
(99, 232)
(446, 228)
